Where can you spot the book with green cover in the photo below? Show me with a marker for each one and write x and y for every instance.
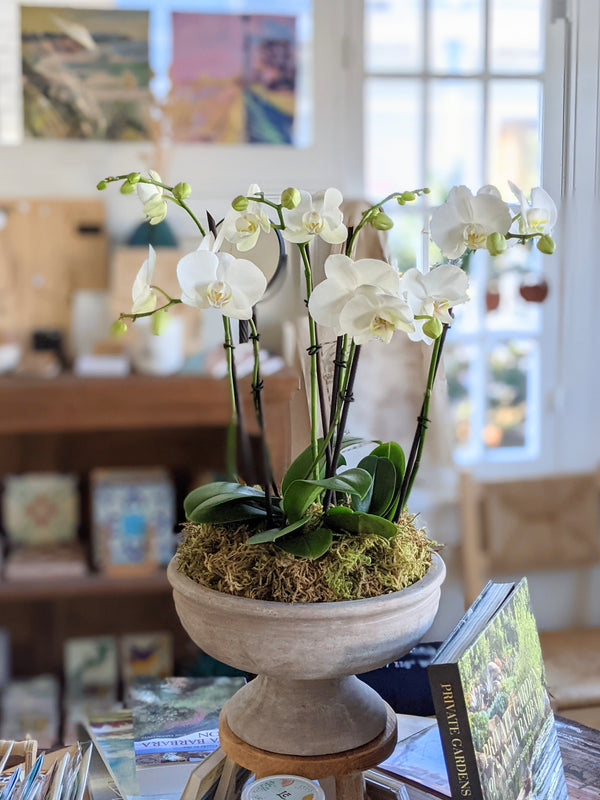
(489, 692)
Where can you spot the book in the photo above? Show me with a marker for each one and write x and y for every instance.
(145, 655)
(488, 687)
(112, 735)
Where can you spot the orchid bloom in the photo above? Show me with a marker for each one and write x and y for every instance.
(466, 220)
(433, 294)
(144, 298)
(242, 228)
(208, 278)
(374, 315)
(316, 215)
(343, 277)
(540, 215)
(155, 206)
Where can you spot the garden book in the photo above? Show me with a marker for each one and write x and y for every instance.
(489, 693)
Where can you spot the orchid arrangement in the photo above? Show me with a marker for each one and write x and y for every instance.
(320, 497)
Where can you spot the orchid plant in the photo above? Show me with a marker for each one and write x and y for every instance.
(359, 300)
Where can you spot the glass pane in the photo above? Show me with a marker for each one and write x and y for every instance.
(455, 110)
(393, 36)
(510, 306)
(393, 136)
(514, 137)
(458, 361)
(405, 239)
(455, 36)
(516, 36)
(508, 402)
(468, 316)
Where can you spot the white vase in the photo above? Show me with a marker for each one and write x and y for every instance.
(306, 699)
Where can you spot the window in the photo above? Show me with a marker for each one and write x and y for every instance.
(454, 94)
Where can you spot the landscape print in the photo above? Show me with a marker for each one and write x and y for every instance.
(511, 722)
(233, 78)
(85, 73)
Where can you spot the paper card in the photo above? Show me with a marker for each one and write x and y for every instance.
(91, 667)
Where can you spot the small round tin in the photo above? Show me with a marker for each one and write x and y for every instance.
(283, 787)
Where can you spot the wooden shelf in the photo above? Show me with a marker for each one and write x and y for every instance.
(70, 403)
(90, 585)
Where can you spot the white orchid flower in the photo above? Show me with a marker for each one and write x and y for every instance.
(433, 294)
(144, 298)
(207, 278)
(466, 220)
(343, 277)
(540, 215)
(315, 215)
(374, 315)
(155, 206)
(242, 228)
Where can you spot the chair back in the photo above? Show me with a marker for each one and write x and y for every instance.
(518, 526)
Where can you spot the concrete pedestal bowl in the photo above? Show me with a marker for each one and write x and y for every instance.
(306, 699)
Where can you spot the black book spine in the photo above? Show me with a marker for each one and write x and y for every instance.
(453, 722)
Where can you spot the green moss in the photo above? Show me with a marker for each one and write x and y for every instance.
(355, 566)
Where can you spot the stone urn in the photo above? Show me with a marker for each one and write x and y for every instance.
(306, 699)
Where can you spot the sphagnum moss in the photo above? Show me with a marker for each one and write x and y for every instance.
(355, 567)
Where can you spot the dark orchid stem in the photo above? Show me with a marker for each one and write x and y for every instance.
(257, 387)
(244, 439)
(414, 459)
(322, 404)
(338, 365)
(347, 399)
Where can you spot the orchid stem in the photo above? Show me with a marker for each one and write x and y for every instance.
(237, 416)
(257, 386)
(312, 351)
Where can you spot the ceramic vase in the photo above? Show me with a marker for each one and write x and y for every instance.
(306, 699)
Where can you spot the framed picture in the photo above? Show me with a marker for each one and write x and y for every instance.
(91, 667)
(40, 508)
(145, 655)
(133, 519)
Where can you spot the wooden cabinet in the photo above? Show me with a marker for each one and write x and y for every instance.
(73, 424)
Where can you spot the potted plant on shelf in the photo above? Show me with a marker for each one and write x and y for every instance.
(309, 581)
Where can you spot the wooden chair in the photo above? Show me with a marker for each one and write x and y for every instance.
(512, 528)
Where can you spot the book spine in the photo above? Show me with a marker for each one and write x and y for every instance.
(455, 733)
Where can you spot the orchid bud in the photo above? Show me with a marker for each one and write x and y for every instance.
(118, 328)
(496, 244)
(290, 198)
(127, 188)
(181, 191)
(408, 196)
(160, 322)
(381, 221)
(545, 244)
(239, 203)
(133, 177)
(433, 328)
(101, 186)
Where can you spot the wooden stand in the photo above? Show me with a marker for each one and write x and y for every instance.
(345, 768)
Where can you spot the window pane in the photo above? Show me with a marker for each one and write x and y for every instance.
(405, 238)
(509, 274)
(514, 134)
(455, 109)
(511, 370)
(392, 135)
(393, 34)
(458, 360)
(515, 36)
(456, 36)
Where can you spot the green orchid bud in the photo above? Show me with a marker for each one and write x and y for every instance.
(127, 188)
(290, 198)
(408, 197)
(381, 222)
(101, 185)
(181, 191)
(401, 201)
(160, 321)
(426, 190)
(133, 177)
(496, 244)
(239, 203)
(545, 244)
(118, 328)
(433, 328)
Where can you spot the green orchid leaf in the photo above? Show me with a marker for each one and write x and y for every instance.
(310, 544)
(384, 487)
(228, 512)
(368, 463)
(395, 454)
(235, 490)
(345, 519)
(272, 534)
(300, 494)
(301, 466)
